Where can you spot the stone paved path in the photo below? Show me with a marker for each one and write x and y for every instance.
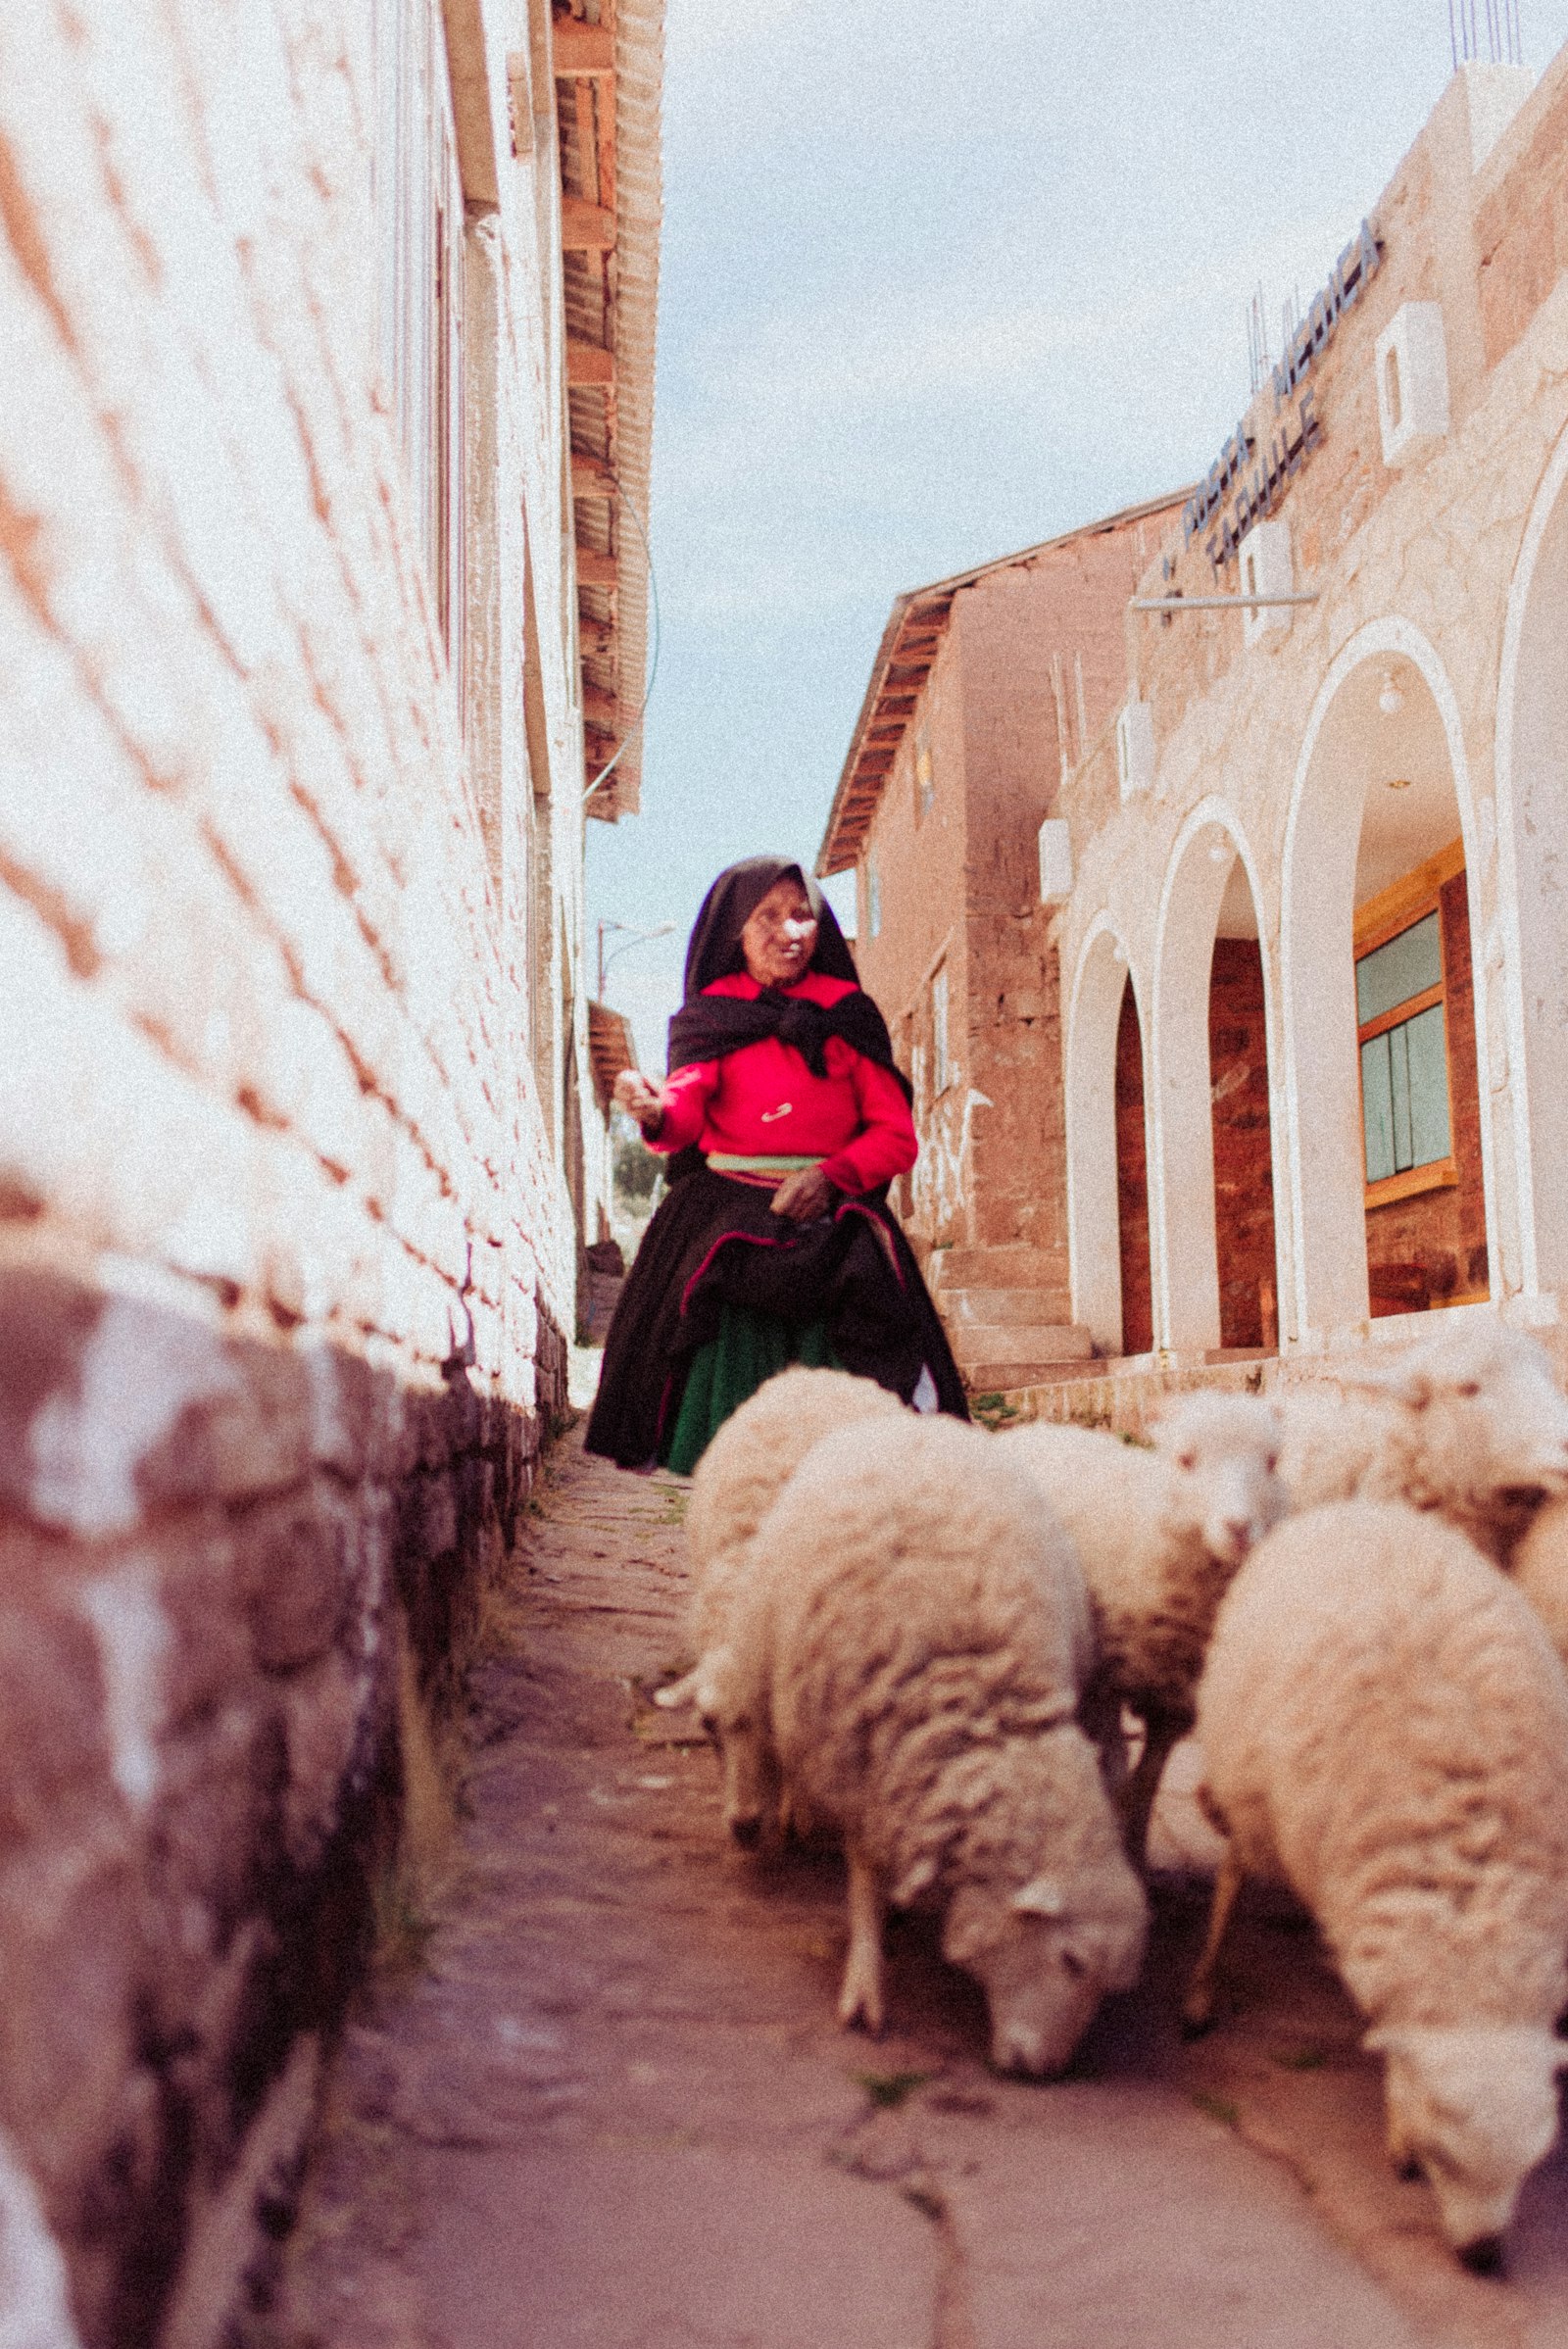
(614, 2111)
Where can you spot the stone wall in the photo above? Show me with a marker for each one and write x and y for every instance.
(218, 1600)
(286, 1248)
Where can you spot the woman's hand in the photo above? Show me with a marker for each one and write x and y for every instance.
(805, 1194)
(640, 1100)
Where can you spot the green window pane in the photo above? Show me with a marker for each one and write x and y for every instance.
(1427, 1054)
(1377, 1099)
(1406, 966)
(1400, 1085)
(1405, 1096)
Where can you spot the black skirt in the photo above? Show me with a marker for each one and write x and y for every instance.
(715, 1242)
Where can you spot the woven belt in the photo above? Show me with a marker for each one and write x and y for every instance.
(731, 1162)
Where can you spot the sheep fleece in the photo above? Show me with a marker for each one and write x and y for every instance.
(919, 1609)
(1384, 1727)
(1152, 1582)
(748, 1464)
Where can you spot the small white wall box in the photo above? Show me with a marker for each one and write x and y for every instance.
(1055, 859)
(1135, 748)
(1264, 557)
(1412, 362)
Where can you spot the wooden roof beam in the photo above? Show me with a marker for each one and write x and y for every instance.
(589, 362)
(586, 228)
(591, 478)
(580, 48)
(596, 569)
(600, 709)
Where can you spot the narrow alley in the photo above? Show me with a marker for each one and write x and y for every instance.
(609, 2107)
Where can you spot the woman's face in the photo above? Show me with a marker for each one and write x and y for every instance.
(780, 939)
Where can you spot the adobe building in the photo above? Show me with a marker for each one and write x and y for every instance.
(329, 340)
(1314, 956)
(1299, 1067)
(988, 691)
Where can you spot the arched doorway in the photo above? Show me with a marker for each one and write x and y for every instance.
(1387, 1162)
(1132, 1182)
(1214, 1179)
(1533, 836)
(1108, 1192)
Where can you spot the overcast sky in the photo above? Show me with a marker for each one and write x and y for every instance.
(941, 279)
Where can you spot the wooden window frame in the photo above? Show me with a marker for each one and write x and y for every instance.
(1378, 922)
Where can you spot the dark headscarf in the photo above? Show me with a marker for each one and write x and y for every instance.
(707, 1027)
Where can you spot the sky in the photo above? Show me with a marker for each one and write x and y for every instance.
(941, 279)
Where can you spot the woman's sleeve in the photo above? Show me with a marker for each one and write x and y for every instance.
(885, 1145)
(686, 1098)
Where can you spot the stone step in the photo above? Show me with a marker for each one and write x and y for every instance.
(1014, 1378)
(1028, 1343)
(1003, 1307)
(992, 1269)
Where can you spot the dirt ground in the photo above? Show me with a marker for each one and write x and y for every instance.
(612, 2109)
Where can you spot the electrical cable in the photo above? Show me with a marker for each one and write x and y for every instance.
(621, 748)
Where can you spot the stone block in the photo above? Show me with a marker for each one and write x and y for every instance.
(292, 1571)
(54, 1752)
(325, 1713)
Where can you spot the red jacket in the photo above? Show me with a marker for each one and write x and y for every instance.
(764, 1099)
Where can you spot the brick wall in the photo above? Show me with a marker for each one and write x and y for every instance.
(285, 1249)
(1244, 1171)
(1132, 1184)
(1521, 228)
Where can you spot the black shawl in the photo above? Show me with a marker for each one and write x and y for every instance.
(708, 1027)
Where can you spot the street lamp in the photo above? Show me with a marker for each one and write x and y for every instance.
(661, 929)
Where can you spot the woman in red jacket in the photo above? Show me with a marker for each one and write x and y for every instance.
(785, 1120)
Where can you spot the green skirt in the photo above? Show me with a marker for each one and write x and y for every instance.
(750, 1347)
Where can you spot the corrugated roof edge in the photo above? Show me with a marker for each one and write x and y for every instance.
(639, 202)
(828, 859)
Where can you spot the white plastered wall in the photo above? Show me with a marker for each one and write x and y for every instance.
(1324, 1187)
(1183, 1237)
(1093, 1224)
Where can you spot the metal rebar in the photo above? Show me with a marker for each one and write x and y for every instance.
(1308, 595)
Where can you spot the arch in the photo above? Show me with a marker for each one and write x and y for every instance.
(1345, 751)
(1208, 856)
(1103, 976)
(1529, 945)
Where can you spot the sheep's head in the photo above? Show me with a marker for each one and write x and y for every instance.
(1047, 1953)
(1487, 1398)
(733, 1721)
(1224, 1449)
(1474, 2108)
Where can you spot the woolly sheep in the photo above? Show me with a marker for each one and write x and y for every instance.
(1469, 1423)
(1158, 1535)
(1540, 1568)
(920, 1627)
(1385, 1729)
(740, 1476)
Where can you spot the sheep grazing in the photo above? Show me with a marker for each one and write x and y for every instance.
(1385, 1729)
(741, 1475)
(919, 1627)
(1470, 1424)
(1159, 1534)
